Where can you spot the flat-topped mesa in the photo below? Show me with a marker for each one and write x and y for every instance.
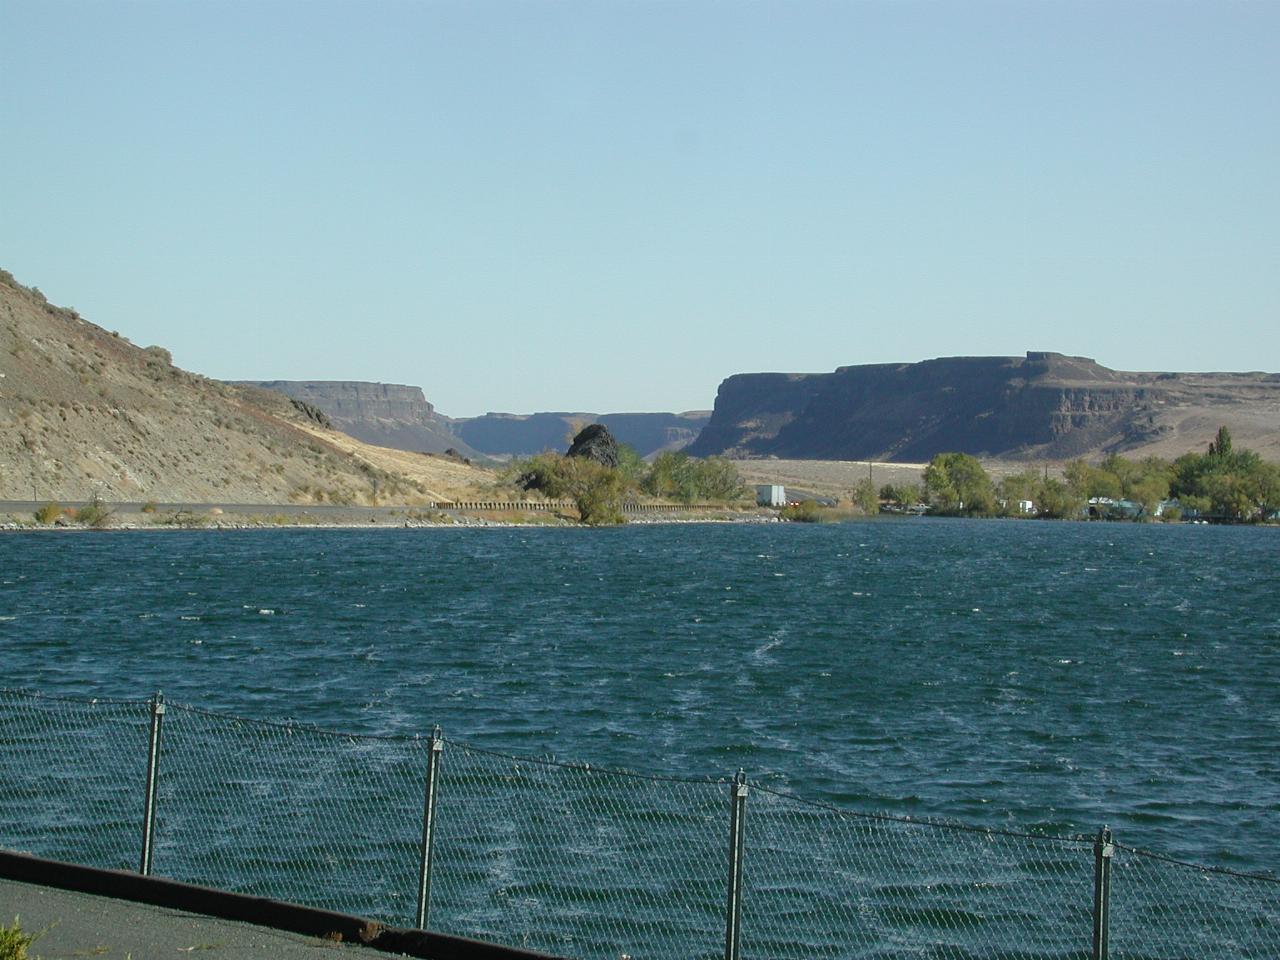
(352, 399)
(1041, 406)
(387, 414)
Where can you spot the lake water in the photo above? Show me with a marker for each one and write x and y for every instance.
(1038, 677)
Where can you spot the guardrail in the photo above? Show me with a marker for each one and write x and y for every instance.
(578, 860)
(553, 505)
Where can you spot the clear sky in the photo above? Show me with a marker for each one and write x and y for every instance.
(614, 205)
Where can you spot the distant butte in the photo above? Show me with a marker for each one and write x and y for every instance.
(1044, 406)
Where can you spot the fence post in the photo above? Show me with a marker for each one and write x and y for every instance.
(153, 764)
(733, 910)
(428, 827)
(1103, 850)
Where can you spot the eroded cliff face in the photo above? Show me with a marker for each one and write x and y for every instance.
(399, 416)
(502, 434)
(1042, 406)
(387, 414)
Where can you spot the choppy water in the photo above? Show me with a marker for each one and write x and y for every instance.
(1034, 676)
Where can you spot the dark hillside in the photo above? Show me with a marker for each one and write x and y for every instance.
(1041, 406)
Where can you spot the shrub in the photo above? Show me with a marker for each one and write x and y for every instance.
(94, 514)
(807, 511)
(50, 512)
(183, 518)
(149, 507)
(158, 355)
(14, 943)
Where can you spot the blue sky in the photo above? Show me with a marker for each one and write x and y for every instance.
(613, 206)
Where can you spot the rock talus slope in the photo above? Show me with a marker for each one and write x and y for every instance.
(385, 414)
(84, 413)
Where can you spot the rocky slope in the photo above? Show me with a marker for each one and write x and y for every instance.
(399, 416)
(386, 414)
(1042, 406)
(84, 412)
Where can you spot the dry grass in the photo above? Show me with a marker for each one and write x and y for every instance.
(828, 478)
(441, 478)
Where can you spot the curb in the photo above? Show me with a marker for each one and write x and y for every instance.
(259, 911)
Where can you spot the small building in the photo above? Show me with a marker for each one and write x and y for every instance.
(771, 495)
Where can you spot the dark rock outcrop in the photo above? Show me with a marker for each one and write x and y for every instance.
(312, 413)
(595, 442)
(1044, 405)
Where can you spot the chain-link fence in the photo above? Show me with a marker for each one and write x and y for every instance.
(580, 861)
(71, 778)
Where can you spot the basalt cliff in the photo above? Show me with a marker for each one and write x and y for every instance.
(1041, 406)
(399, 416)
(386, 414)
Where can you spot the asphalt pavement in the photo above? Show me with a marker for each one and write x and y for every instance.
(79, 925)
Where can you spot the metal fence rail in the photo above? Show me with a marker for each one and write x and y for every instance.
(582, 861)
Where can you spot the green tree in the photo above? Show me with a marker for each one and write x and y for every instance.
(1268, 489)
(1056, 500)
(1019, 486)
(865, 497)
(1225, 482)
(671, 477)
(1089, 481)
(1221, 445)
(1148, 491)
(678, 476)
(1229, 495)
(719, 479)
(630, 464)
(901, 495)
(957, 484)
(597, 491)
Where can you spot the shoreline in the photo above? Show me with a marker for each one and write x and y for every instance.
(391, 519)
